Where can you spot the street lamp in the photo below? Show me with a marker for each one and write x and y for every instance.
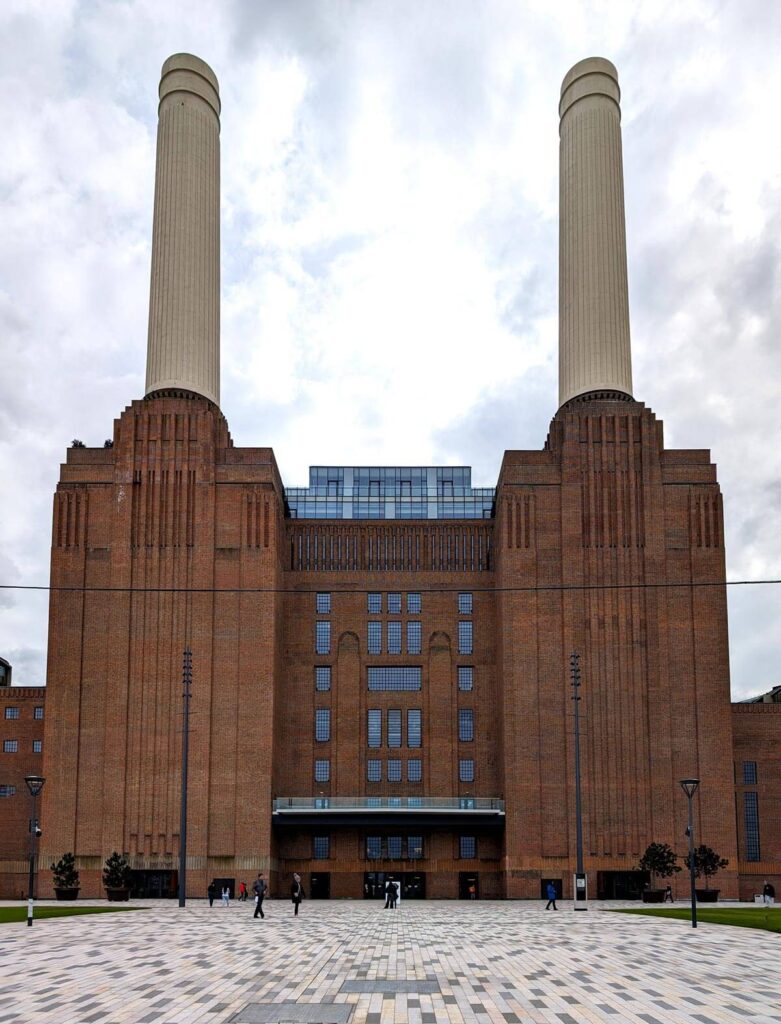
(35, 785)
(689, 786)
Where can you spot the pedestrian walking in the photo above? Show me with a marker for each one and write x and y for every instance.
(768, 893)
(226, 896)
(668, 895)
(211, 892)
(260, 889)
(242, 891)
(296, 892)
(550, 890)
(388, 889)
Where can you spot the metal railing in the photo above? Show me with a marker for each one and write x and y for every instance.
(389, 803)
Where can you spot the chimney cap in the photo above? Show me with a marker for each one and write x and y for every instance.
(184, 72)
(592, 76)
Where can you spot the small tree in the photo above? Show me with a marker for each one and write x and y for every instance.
(116, 872)
(659, 860)
(65, 874)
(706, 863)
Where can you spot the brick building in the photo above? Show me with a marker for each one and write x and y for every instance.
(381, 660)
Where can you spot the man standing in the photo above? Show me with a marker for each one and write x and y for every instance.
(211, 892)
(768, 893)
(550, 890)
(296, 892)
(260, 889)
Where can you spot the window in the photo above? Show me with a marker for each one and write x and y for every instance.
(391, 678)
(413, 637)
(414, 770)
(322, 725)
(375, 604)
(413, 727)
(321, 847)
(394, 770)
(464, 604)
(394, 604)
(465, 677)
(466, 770)
(374, 730)
(7, 791)
(415, 847)
(466, 803)
(394, 728)
(38, 714)
(466, 724)
(37, 746)
(467, 847)
(10, 746)
(749, 773)
(374, 801)
(322, 771)
(373, 847)
(395, 847)
(322, 802)
(323, 604)
(373, 770)
(323, 637)
(374, 638)
(413, 604)
(394, 801)
(394, 638)
(751, 819)
(414, 801)
(323, 678)
(11, 713)
(465, 638)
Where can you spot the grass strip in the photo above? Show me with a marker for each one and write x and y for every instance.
(765, 918)
(14, 915)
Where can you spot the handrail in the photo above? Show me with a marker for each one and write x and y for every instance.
(388, 803)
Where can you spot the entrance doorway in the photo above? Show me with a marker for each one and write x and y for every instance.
(320, 885)
(412, 884)
(468, 885)
(154, 885)
(621, 885)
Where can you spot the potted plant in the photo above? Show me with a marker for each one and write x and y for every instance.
(660, 861)
(66, 878)
(116, 878)
(706, 864)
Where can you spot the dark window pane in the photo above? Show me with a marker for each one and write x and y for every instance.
(394, 638)
(395, 847)
(321, 847)
(467, 847)
(373, 847)
(751, 819)
(749, 773)
(466, 770)
(415, 847)
(322, 725)
(374, 638)
(413, 637)
(466, 725)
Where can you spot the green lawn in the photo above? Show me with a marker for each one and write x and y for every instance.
(751, 917)
(13, 915)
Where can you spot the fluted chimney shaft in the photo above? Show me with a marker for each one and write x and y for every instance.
(183, 353)
(594, 346)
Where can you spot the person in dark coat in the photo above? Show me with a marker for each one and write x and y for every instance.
(768, 893)
(388, 891)
(296, 892)
(260, 889)
(550, 890)
(211, 892)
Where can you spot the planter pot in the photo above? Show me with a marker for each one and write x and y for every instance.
(66, 894)
(707, 895)
(653, 896)
(117, 895)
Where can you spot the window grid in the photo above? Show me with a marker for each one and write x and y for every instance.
(374, 727)
(10, 746)
(323, 678)
(394, 604)
(413, 604)
(465, 677)
(394, 770)
(414, 727)
(464, 604)
(323, 604)
(323, 637)
(415, 847)
(321, 847)
(374, 604)
(386, 677)
(394, 727)
(466, 725)
(467, 847)
(373, 847)
(373, 770)
(322, 725)
(465, 638)
(11, 713)
(414, 634)
(37, 746)
(7, 791)
(466, 770)
(414, 770)
(749, 773)
(374, 638)
(395, 847)
(322, 770)
(38, 714)
(394, 638)
(751, 819)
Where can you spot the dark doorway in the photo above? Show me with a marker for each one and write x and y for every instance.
(222, 883)
(468, 888)
(557, 884)
(154, 885)
(320, 885)
(412, 885)
(621, 885)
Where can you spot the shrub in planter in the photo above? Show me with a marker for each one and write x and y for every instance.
(707, 863)
(660, 861)
(116, 878)
(66, 878)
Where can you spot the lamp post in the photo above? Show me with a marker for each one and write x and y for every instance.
(187, 677)
(35, 785)
(580, 893)
(689, 786)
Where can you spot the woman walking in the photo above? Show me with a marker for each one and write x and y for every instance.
(296, 892)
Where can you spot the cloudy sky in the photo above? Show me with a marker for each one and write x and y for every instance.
(389, 243)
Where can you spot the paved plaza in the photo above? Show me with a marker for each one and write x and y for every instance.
(355, 962)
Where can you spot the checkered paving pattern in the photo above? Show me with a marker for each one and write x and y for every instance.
(356, 962)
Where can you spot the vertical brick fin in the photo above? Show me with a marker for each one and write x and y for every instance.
(266, 516)
(190, 515)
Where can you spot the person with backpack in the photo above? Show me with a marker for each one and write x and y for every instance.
(260, 889)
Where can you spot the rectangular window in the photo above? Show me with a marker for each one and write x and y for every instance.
(751, 819)
(466, 725)
(322, 771)
(413, 604)
(465, 677)
(394, 770)
(394, 638)
(323, 637)
(467, 847)
(464, 604)
(392, 678)
(10, 746)
(373, 770)
(414, 770)
(323, 604)
(374, 638)
(374, 604)
(394, 727)
(466, 770)
(37, 746)
(415, 847)
(395, 847)
(465, 638)
(7, 791)
(374, 720)
(322, 725)
(394, 604)
(323, 678)
(413, 637)
(373, 847)
(38, 714)
(466, 803)
(322, 802)
(414, 727)
(11, 713)
(321, 847)
(749, 773)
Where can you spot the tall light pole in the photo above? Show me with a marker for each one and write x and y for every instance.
(35, 785)
(187, 677)
(689, 786)
(580, 894)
